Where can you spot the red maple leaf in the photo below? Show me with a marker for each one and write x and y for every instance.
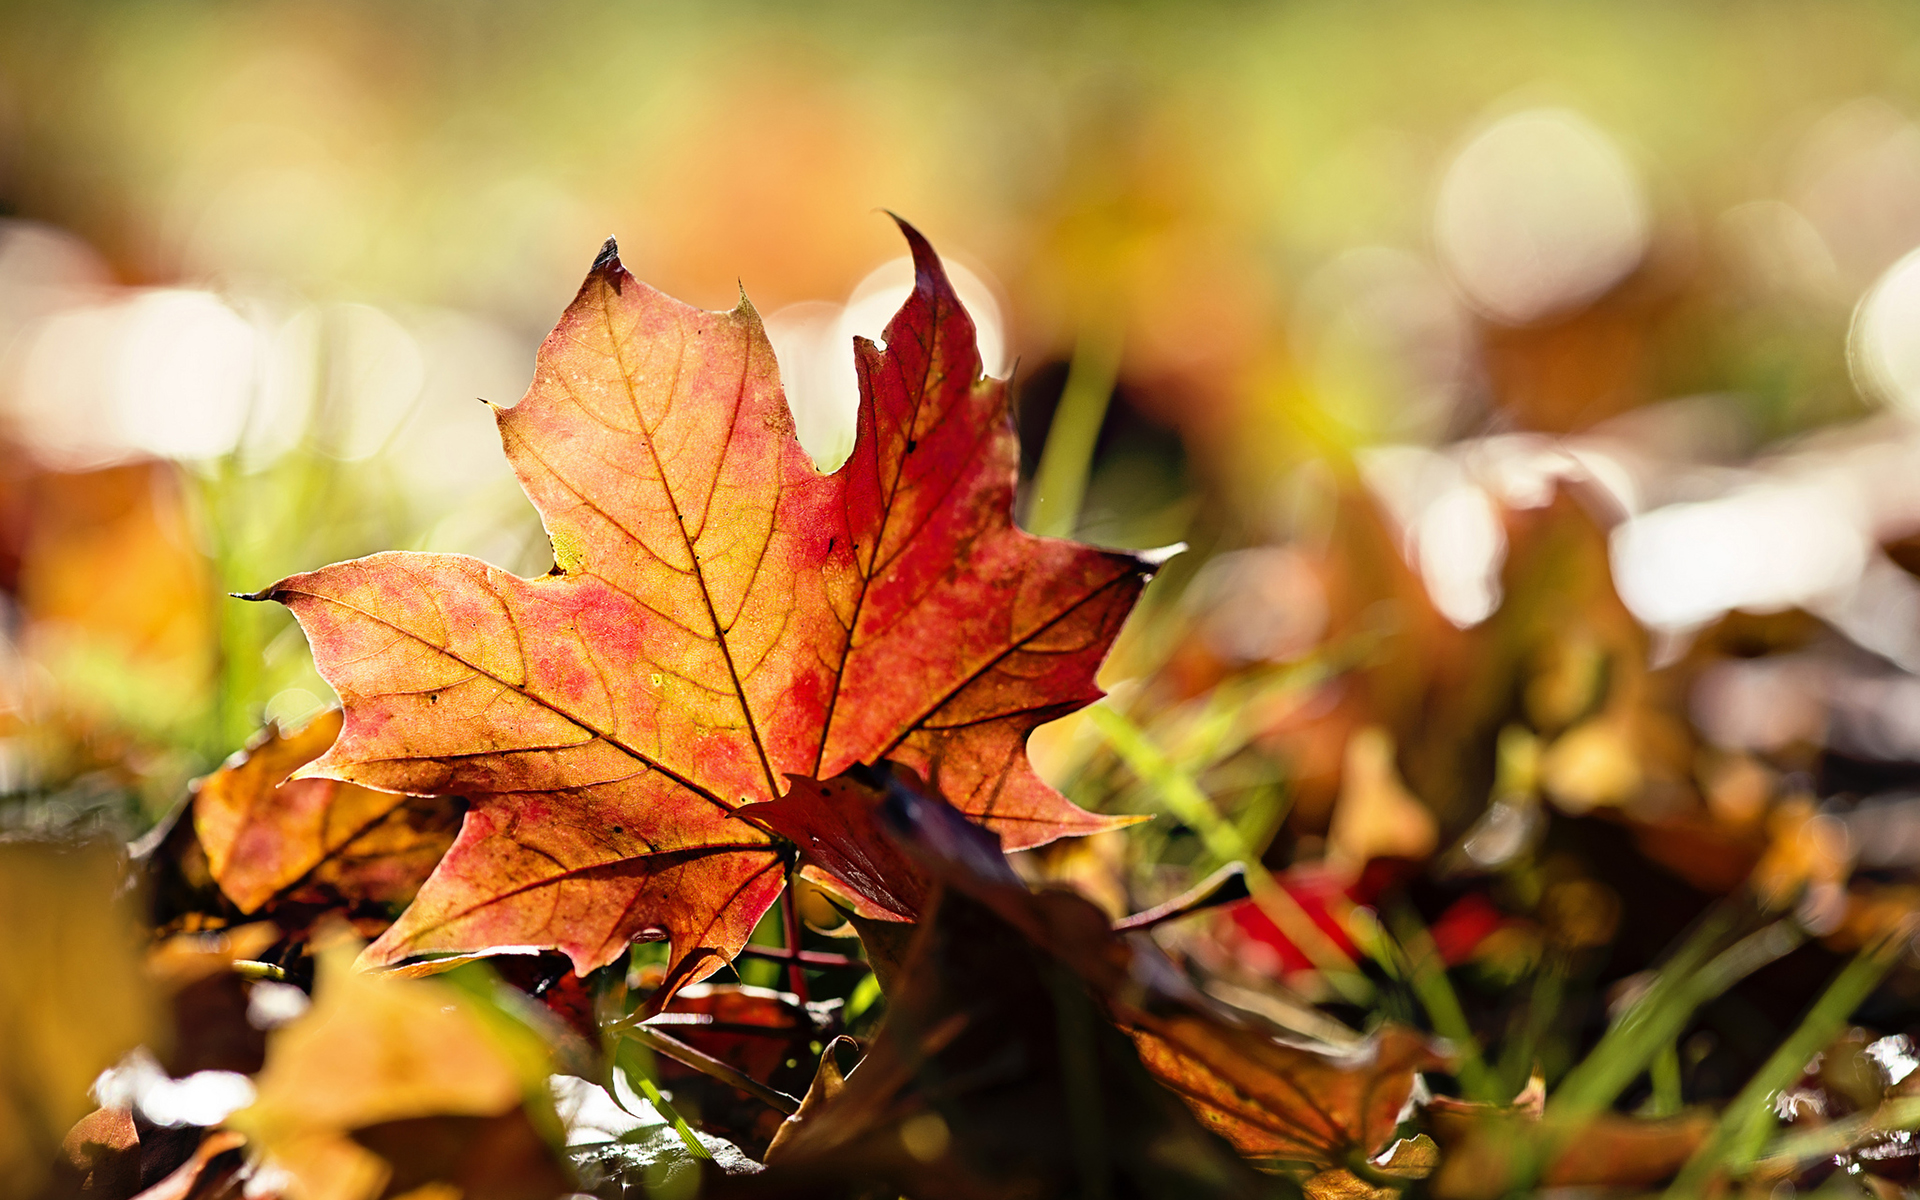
(721, 617)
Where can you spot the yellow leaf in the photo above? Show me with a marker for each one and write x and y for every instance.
(1376, 816)
(73, 995)
(372, 1049)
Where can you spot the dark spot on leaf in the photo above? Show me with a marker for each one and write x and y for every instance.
(607, 263)
(912, 445)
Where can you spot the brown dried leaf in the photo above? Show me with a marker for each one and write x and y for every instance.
(756, 1031)
(1294, 1103)
(1271, 1099)
(828, 1083)
(1484, 1144)
(995, 1075)
(264, 833)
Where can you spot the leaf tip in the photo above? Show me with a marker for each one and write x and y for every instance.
(270, 592)
(607, 266)
(926, 263)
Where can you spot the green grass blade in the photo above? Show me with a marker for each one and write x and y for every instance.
(1428, 974)
(1804, 1146)
(1060, 481)
(1688, 981)
(631, 1058)
(1664, 1073)
(1682, 985)
(1183, 797)
(1749, 1118)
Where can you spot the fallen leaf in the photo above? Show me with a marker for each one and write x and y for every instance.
(1325, 896)
(828, 1083)
(215, 1171)
(73, 997)
(1228, 885)
(263, 833)
(1291, 1103)
(1376, 816)
(374, 1051)
(994, 1075)
(100, 1156)
(720, 616)
(574, 1001)
(1806, 851)
(208, 999)
(480, 1158)
(1407, 1159)
(1593, 764)
(834, 823)
(111, 588)
(1483, 1146)
(996, 955)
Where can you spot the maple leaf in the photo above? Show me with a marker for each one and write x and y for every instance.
(721, 616)
(263, 833)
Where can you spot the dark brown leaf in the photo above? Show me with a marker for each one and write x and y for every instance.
(996, 1075)
(828, 1083)
(485, 1158)
(1484, 1145)
(1302, 1103)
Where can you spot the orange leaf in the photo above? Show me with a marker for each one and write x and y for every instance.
(1275, 1100)
(720, 616)
(262, 832)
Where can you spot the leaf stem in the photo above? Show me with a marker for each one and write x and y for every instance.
(706, 1064)
(790, 933)
(812, 958)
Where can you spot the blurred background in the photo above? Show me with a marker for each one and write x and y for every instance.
(1535, 386)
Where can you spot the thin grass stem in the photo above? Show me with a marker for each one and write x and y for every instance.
(1744, 1126)
(1190, 805)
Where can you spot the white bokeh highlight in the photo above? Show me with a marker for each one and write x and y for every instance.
(1538, 214)
(813, 341)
